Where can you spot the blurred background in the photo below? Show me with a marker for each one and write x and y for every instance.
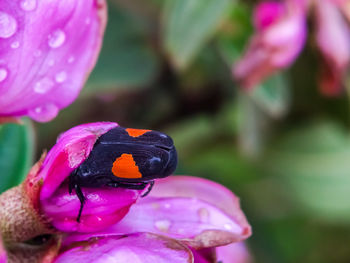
(283, 147)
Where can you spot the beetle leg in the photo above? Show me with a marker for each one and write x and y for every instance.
(81, 199)
(149, 189)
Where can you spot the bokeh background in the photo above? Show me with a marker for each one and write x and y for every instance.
(283, 147)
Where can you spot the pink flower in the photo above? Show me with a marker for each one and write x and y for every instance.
(279, 38)
(47, 50)
(333, 40)
(195, 213)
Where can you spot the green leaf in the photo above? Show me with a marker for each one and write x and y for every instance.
(236, 32)
(188, 25)
(16, 153)
(273, 96)
(312, 167)
(126, 59)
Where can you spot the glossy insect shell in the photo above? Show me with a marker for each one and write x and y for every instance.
(127, 155)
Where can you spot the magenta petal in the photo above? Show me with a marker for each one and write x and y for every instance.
(103, 207)
(266, 13)
(47, 50)
(275, 45)
(192, 221)
(233, 253)
(137, 248)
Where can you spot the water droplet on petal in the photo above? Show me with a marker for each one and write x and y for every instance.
(3, 74)
(203, 214)
(57, 38)
(88, 21)
(167, 206)
(8, 25)
(44, 113)
(43, 85)
(51, 62)
(228, 226)
(71, 59)
(61, 77)
(15, 45)
(28, 5)
(162, 225)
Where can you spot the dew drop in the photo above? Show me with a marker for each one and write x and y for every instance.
(71, 59)
(8, 25)
(28, 5)
(228, 226)
(15, 45)
(43, 86)
(57, 38)
(88, 21)
(61, 77)
(51, 62)
(162, 225)
(44, 112)
(167, 206)
(3, 74)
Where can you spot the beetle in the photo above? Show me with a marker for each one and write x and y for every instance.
(126, 158)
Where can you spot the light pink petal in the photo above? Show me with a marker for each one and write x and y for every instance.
(233, 253)
(333, 39)
(3, 257)
(276, 46)
(137, 248)
(202, 189)
(104, 206)
(47, 50)
(190, 220)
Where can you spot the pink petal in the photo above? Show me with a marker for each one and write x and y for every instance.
(267, 13)
(233, 253)
(47, 50)
(276, 46)
(137, 248)
(3, 257)
(104, 206)
(202, 189)
(333, 39)
(192, 221)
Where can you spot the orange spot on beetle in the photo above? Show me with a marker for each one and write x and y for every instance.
(125, 167)
(136, 132)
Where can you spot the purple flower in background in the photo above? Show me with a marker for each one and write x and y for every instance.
(333, 40)
(185, 219)
(47, 50)
(280, 36)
